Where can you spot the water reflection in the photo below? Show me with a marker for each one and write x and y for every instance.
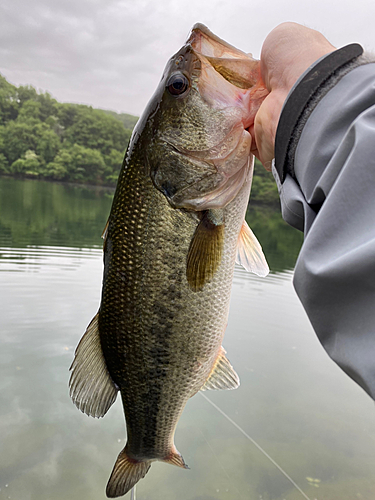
(293, 401)
(33, 258)
(280, 242)
(249, 281)
(45, 213)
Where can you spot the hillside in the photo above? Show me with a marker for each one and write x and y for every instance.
(45, 139)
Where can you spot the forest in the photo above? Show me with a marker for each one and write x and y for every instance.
(42, 138)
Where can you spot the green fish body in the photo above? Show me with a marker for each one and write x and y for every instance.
(169, 256)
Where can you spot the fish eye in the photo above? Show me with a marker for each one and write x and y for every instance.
(177, 84)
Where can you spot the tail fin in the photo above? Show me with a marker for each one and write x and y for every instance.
(126, 473)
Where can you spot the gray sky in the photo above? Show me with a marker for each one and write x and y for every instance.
(111, 53)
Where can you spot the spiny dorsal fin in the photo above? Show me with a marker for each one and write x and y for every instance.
(125, 474)
(205, 251)
(91, 387)
(105, 233)
(249, 252)
(222, 375)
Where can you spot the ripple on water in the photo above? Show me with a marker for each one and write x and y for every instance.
(42, 258)
(243, 277)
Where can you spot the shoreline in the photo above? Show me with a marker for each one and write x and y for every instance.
(111, 189)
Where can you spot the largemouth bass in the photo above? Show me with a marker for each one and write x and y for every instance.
(175, 229)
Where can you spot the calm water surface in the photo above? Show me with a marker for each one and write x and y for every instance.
(293, 401)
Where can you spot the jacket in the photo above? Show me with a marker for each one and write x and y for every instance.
(325, 171)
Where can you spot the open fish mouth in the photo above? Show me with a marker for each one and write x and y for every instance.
(237, 67)
(229, 76)
(202, 156)
(228, 81)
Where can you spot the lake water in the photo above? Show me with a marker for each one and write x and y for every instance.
(307, 415)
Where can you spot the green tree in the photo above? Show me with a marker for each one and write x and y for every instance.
(17, 139)
(95, 129)
(48, 145)
(66, 114)
(43, 138)
(128, 121)
(26, 93)
(86, 165)
(48, 105)
(8, 101)
(54, 124)
(263, 189)
(4, 164)
(60, 167)
(30, 165)
(113, 163)
(29, 111)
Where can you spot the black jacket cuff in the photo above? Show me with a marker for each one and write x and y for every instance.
(303, 99)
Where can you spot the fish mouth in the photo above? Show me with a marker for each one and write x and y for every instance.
(229, 80)
(207, 43)
(234, 65)
(229, 77)
(226, 79)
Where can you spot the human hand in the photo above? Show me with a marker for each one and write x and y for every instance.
(286, 53)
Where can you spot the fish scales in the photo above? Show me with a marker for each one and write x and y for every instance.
(175, 229)
(158, 336)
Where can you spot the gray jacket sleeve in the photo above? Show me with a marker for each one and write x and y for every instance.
(325, 170)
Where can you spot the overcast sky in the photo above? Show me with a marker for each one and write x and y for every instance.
(111, 53)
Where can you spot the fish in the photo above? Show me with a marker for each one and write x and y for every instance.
(176, 227)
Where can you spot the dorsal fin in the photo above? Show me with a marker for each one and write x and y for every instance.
(104, 234)
(249, 252)
(222, 375)
(91, 386)
(206, 249)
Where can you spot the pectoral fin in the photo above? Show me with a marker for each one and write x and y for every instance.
(206, 249)
(222, 375)
(249, 252)
(91, 386)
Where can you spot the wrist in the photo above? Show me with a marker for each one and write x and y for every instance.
(308, 90)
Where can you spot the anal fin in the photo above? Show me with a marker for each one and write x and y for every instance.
(222, 375)
(249, 252)
(91, 386)
(175, 458)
